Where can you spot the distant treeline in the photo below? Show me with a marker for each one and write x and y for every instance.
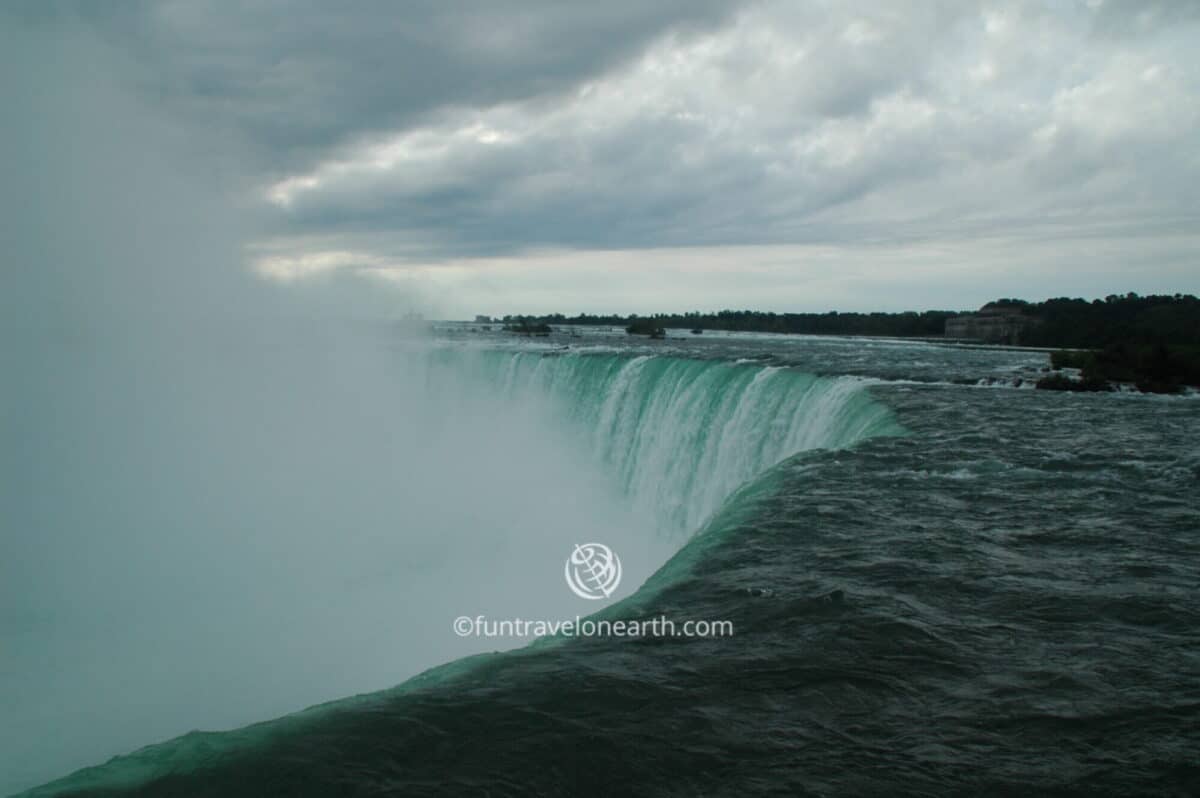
(1151, 341)
(1075, 323)
(1129, 320)
(930, 323)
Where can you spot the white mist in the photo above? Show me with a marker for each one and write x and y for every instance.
(221, 503)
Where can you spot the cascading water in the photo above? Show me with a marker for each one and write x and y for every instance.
(680, 435)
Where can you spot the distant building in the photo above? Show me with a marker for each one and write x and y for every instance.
(483, 319)
(993, 324)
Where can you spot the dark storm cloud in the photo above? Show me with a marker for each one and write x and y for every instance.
(303, 76)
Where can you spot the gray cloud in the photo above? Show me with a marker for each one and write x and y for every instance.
(789, 125)
(387, 135)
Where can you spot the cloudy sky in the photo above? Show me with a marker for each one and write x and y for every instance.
(534, 156)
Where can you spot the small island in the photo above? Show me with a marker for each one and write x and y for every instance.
(648, 327)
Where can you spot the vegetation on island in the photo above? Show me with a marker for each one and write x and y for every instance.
(1158, 368)
(1151, 342)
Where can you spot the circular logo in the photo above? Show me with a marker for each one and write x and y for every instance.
(593, 571)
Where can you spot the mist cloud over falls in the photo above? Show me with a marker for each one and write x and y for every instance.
(222, 502)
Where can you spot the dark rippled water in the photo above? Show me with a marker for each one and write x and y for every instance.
(1001, 602)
